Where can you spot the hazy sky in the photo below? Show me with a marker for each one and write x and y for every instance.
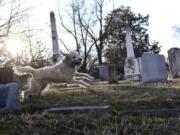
(164, 14)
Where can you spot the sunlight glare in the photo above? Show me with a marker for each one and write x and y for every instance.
(15, 46)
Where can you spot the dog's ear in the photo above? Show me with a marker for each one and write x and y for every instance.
(65, 54)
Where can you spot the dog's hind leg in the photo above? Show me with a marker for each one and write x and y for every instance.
(34, 89)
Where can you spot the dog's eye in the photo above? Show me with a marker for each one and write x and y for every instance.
(74, 57)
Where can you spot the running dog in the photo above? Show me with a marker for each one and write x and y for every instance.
(63, 72)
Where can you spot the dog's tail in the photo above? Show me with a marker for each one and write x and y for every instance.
(24, 70)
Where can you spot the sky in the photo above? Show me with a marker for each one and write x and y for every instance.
(164, 14)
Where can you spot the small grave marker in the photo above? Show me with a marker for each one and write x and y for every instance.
(77, 109)
(103, 72)
(112, 74)
(9, 98)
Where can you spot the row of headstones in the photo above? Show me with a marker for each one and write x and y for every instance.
(152, 67)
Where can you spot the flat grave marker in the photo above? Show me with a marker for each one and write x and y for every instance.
(77, 109)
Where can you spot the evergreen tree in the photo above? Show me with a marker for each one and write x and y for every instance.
(115, 51)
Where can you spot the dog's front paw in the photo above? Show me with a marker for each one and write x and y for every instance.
(25, 97)
(22, 96)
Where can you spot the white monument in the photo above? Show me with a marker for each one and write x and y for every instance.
(56, 53)
(131, 68)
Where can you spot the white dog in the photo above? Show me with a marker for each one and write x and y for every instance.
(63, 72)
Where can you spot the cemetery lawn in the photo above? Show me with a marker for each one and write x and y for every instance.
(131, 112)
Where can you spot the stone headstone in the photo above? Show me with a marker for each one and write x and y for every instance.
(174, 62)
(3, 96)
(103, 72)
(153, 68)
(9, 98)
(112, 74)
(131, 68)
(6, 75)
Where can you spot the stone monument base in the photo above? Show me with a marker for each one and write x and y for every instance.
(131, 69)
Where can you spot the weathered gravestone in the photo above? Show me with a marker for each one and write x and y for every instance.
(153, 68)
(112, 74)
(9, 98)
(6, 75)
(107, 73)
(103, 72)
(174, 62)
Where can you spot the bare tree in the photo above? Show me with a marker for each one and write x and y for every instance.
(98, 37)
(36, 53)
(84, 42)
(88, 28)
(14, 14)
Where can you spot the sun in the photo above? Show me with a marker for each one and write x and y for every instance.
(15, 46)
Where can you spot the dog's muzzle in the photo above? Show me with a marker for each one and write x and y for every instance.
(78, 62)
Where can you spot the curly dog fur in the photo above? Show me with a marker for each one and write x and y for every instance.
(63, 72)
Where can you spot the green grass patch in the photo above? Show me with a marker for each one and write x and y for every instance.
(125, 98)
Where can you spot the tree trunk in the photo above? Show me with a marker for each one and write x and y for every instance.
(83, 68)
(100, 56)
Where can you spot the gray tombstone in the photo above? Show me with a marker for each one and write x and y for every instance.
(153, 68)
(174, 62)
(112, 74)
(103, 72)
(9, 98)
